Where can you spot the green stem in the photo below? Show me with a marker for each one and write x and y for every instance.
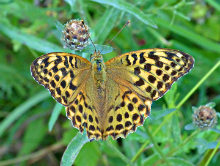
(178, 106)
(213, 153)
(119, 154)
(38, 154)
(198, 84)
(214, 4)
(182, 144)
(156, 146)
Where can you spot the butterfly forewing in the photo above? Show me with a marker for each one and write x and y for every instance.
(150, 72)
(62, 74)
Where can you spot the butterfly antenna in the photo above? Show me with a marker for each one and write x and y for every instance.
(117, 34)
(88, 35)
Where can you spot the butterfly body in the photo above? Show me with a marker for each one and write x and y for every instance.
(98, 71)
(110, 98)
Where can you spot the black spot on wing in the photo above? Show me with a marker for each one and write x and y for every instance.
(64, 72)
(52, 83)
(151, 78)
(140, 82)
(135, 58)
(76, 61)
(170, 55)
(71, 61)
(142, 59)
(127, 60)
(159, 64)
(57, 77)
(119, 118)
(66, 62)
(152, 56)
(45, 61)
(72, 87)
(55, 69)
(137, 71)
(58, 60)
(147, 67)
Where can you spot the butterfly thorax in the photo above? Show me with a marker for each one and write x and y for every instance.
(99, 72)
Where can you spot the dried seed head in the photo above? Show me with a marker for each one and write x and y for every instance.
(204, 117)
(75, 35)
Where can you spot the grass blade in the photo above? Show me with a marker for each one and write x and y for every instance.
(129, 8)
(190, 35)
(56, 112)
(30, 41)
(73, 149)
(21, 109)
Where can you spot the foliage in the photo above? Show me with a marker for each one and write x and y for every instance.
(28, 30)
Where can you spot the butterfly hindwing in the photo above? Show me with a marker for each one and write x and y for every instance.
(84, 116)
(62, 74)
(150, 72)
(127, 111)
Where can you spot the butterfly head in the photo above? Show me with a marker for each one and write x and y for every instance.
(97, 62)
(96, 56)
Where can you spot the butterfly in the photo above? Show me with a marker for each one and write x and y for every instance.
(110, 98)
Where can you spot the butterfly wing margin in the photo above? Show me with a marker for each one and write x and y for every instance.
(62, 74)
(150, 72)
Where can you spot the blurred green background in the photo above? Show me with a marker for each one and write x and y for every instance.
(27, 31)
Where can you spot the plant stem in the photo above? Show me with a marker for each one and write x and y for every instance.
(183, 143)
(178, 106)
(156, 146)
(34, 155)
(213, 153)
(119, 154)
(198, 84)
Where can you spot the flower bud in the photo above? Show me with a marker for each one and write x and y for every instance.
(204, 117)
(75, 35)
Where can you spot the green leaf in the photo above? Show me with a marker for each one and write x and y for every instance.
(155, 115)
(30, 40)
(105, 24)
(33, 136)
(150, 160)
(214, 3)
(175, 128)
(212, 145)
(215, 130)
(25, 10)
(194, 109)
(129, 8)
(55, 113)
(59, 26)
(191, 36)
(201, 145)
(178, 161)
(71, 3)
(171, 96)
(103, 48)
(21, 109)
(211, 104)
(73, 149)
(11, 78)
(191, 126)
(90, 152)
